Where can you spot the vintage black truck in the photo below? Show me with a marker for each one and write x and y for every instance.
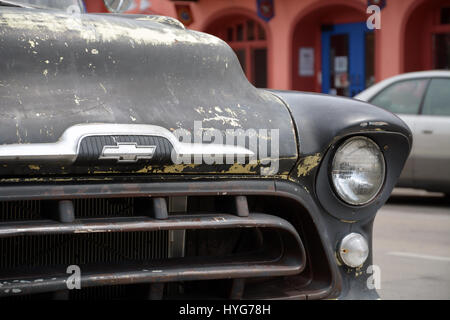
(137, 161)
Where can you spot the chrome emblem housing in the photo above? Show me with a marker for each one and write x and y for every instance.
(67, 148)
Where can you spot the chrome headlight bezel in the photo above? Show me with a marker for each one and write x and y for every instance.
(373, 195)
(395, 148)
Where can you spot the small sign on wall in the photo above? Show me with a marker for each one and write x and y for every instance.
(306, 62)
(184, 14)
(340, 64)
(265, 9)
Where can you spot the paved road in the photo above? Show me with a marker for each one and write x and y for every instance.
(412, 246)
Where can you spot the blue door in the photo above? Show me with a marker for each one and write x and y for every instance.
(344, 59)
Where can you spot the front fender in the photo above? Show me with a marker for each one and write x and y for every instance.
(322, 123)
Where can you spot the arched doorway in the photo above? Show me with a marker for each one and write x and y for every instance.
(427, 36)
(332, 49)
(248, 38)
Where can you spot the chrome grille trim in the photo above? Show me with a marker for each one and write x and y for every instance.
(66, 149)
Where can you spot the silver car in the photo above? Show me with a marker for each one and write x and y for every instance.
(422, 100)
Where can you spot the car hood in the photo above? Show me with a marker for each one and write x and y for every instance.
(61, 72)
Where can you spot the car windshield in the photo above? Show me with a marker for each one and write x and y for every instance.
(71, 5)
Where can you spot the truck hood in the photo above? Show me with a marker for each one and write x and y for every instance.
(77, 83)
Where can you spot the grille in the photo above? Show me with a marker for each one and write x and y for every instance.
(202, 245)
(20, 210)
(84, 208)
(89, 208)
(81, 249)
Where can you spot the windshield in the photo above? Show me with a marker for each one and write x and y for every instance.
(71, 6)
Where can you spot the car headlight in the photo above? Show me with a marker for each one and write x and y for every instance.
(358, 170)
(354, 250)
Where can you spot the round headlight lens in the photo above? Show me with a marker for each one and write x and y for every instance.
(354, 250)
(358, 170)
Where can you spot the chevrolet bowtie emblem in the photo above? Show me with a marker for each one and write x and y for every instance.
(127, 152)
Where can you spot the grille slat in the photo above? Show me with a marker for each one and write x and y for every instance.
(84, 208)
(20, 210)
(81, 249)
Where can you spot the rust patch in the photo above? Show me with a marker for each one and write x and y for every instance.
(239, 168)
(176, 168)
(307, 164)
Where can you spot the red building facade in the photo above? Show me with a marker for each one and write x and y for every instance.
(318, 45)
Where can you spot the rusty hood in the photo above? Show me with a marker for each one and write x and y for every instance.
(124, 82)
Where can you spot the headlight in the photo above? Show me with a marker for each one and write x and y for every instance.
(358, 170)
(354, 250)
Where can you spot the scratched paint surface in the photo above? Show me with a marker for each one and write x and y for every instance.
(60, 70)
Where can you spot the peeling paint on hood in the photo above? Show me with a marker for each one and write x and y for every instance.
(61, 70)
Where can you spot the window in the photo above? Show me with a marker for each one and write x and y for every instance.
(445, 15)
(437, 99)
(441, 51)
(370, 58)
(247, 38)
(402, 97)
(441, 40)
(259, 57)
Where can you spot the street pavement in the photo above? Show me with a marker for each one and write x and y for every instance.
(412, 246)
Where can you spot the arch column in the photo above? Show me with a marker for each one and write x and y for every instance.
(389, 40)
(279, 64)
